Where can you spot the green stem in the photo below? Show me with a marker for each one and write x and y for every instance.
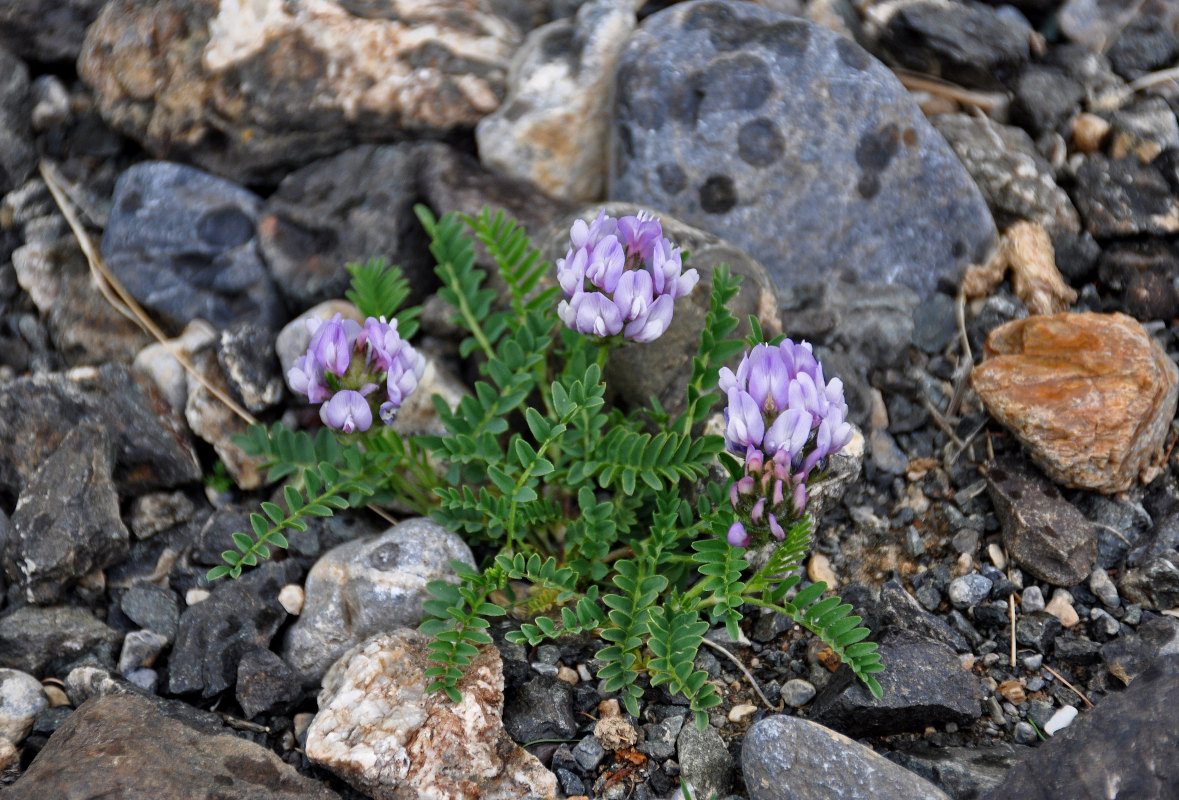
(464, 309)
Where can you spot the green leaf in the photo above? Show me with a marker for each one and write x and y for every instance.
(243, 542)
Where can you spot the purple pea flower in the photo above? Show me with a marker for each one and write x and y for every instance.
(621, 276)
(347, 411)
(332, 342)
(307, 377)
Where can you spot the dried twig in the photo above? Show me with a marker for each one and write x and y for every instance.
(1076, 691)
(747, 673)
(1011, 615)
(915, 82)
(241, 724)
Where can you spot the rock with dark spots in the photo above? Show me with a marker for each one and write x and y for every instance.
(540, 709)
(1155, 584)
(786, 758)
(66, 523)
(1128, 741)
(1016, 181)
(136, 748)
(1038, 631)
(151, 447)
(1045, 98)
(969, 44)
(184, 245)
(17, 156)
(48, 641)
(46, 30)
(266, 684)
(662, 368)
(1124, 197)
(249, 91)
(924, 684)
(898, 609)
(346, 208)
(214, 634)
(1129, 655)
(1042, 532)
(793, 143)
(152, 607)
(705, 763)
(965, 773)
(246, 355)
(368, 586)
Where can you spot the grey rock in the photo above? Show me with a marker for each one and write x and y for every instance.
(1037, 630)
(965, 773)
(17, 156)
(935, 324)
(1102, 626)
(165, 750)
(214, 634)
(157, 511)
(1124, 197)
(1128, 656)
(1121, 524)
(346, 208)
(85, 682)
(1148, 43)
(1079, 762)
(970, 44)
(1016, 181)
(1154, 585)
(786, 757)
(214, 422)
(47, 641)
(66, 523)
(266, 684)
(21, 699)
(540, 709)
(969, 590)
(1032, 600)
(1078, 652)
(794, 143)
(662, 368)
(1164, 538)
(1025, 733)
(661, 737)
(898, 609)
(1096, 23)
(1145, 129)
(1139, 272)
(1101, 585)
(553, 127)
(796, 692)
(924, 684)
(705, 763)
(151, 447)
(369, 586)
(246, 355)
(589, 753)
(140, 649)
(1042, 532)
(144, 678)
(46, 30)
(1046, 96)
(184, 244)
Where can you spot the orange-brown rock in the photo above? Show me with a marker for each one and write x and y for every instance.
(1090, 396)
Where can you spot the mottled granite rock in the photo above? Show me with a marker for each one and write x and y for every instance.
(793, 143)
(248, 89)
(378, 728)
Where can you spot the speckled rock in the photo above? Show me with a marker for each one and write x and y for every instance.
(245, 89)
(794, 143)
(183, 243)
(1016, 181)
(1090, 396)
(378, 728)
(46, 30)
(151, 446)
(245, 352)
(17, 156)
(48, 641)
(66, 523)
(705, 763)
(553, 127)
(662, 368)
(212, 420)
(21, 699)
(1124, 197)
(266, 684)
(787, 758)
(136, 748)
(369, 586)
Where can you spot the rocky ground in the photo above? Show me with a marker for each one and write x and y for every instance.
(971, 209)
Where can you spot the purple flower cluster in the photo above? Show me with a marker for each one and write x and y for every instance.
(784, 420)
(621, 276)
(346, 364)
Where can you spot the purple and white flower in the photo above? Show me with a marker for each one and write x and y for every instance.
(621, 276)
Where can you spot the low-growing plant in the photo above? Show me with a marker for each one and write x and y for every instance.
(612, 518)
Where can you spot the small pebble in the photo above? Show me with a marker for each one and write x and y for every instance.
(145, 678)
(1060, 720)
(995, 552)
(819, 569)
(1133, 614)
(969, 590)
(1035, 684)
(929, 597)
(584, 673)
(549, 670)
(568, 675)
(1013, 692)
(302, 721)
(1033, 600)
(1101, 585)
(1034, 661)
(1088, 131)
(797, 692)
(966, 660)
(742, 712)
(964, 564)
(1061, 607)
(1025, 733)
(588, 753)
(291, 598)
(140, 649)
(1103, 623)
(195, 595)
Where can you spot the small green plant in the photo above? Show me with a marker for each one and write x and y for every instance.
(611, 517)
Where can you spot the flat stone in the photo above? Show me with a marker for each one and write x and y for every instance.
(66, 523)
(1080, 762)
(48, 641)
(152, 607)
(183, 243)
(705, 763)
(923, 682)
(369, 586)
(1128, 656)
(793, 143)
(266, 684)
(1154, 584)
(378, 729)
(1037, 630)
(1090, 396)
(250, 89)
(140, 649)
(785, 757)
(553, 128)
(136, 748)
(1124, 197)
(961, 771)
(151, 446)
(156, 512)
(158, 363)
(540, 709)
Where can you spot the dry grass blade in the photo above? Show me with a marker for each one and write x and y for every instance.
(115, 294)
(915, 82)
(1076, 691)
(746, 672)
